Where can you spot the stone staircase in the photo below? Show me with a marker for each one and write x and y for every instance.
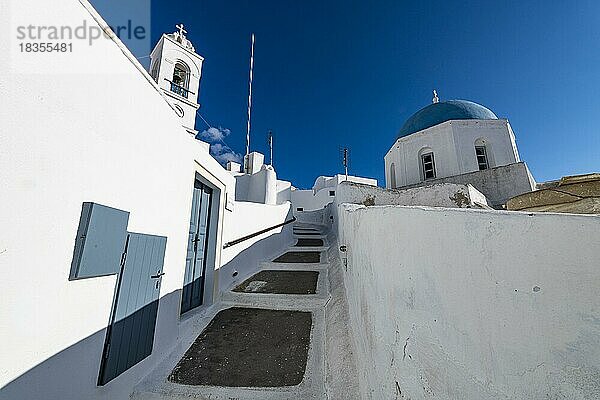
(266, 337)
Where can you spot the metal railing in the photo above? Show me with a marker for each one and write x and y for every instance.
(242, 239)
(180, 90)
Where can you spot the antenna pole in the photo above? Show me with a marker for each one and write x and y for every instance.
(345, 161)
(249, 106)
(270, 142)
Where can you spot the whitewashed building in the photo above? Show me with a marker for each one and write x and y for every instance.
(458, 141)
(323, 192)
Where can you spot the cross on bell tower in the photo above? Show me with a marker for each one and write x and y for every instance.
(181, 30)
(176, 68)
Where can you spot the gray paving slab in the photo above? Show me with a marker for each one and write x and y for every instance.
(299, 257)
(309, 242)
(280, 282)
(248, 347)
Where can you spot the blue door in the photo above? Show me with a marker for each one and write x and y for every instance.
(130, 335)
(195, 263)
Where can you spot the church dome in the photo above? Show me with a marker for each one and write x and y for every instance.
(443, 111)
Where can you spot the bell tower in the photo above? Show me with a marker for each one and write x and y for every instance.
(177, 68)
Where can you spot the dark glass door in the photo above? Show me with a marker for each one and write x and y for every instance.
(195, 264)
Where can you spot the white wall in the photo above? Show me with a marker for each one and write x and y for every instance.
(284, 191)
(314, 217)
(465, 304)
(339, 178)
(453, 146)
(246, 219)
(258, 187)
(320, 194)
(254, 161)
(438, 195)
(106, 135)
(498, 184)
(324, 182)
(310, 201)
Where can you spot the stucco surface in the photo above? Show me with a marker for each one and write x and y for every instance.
(435, 195)
(466, 304)
(498, 184)
(319, 196)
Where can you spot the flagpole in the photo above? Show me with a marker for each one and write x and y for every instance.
(246, 167)
(270, 143)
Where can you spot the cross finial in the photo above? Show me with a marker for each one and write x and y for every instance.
(181, 30)
(436, 99)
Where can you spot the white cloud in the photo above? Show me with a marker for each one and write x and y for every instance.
(218, 149)
(215, 134)
(230, 156)
(223, 153)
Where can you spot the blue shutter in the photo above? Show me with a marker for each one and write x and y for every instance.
(131, 334)
(100, 241)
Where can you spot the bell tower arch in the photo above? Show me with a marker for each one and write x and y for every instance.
(177, 69)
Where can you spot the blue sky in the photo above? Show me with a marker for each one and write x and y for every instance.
(348, 73)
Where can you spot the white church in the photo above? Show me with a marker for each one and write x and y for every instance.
(131, 272)
(461, 142)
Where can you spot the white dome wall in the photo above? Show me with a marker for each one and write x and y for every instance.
(453, 146)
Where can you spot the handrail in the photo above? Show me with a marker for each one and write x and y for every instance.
(242, 239)
(178, 89)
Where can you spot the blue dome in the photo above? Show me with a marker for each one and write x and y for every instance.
(443, 111)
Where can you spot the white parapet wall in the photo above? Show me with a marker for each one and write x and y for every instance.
(323, 192)
(449, 195)
(473, 304)
(498, 184)
(242, 259)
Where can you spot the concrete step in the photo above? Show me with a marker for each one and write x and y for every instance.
(301, 301)
(157, 385)
(312, 386)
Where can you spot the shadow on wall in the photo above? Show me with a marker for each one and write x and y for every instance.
(73, 372)
(312, 217)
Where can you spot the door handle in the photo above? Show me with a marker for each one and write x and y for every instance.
(158, 275)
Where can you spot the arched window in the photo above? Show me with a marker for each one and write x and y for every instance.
(392, 176)
(481, 152)
(181, 75)
(427, 164)
(154, 71)
(181, 79)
